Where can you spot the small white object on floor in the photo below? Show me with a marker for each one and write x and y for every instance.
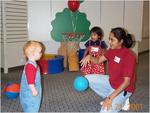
(126, 106)
(101, 103)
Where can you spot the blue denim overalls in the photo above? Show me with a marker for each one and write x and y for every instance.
(29, 102)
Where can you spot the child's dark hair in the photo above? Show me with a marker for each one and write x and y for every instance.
(121, 34)
(98, 31)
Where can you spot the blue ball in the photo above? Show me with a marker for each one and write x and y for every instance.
(80, 83)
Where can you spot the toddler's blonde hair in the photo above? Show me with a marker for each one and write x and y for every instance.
(30, 47)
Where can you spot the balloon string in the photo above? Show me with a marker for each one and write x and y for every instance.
(76, 19)
(73, 25)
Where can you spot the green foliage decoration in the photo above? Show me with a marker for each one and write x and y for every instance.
(70, 22)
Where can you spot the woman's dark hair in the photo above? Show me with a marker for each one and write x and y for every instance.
(98, 31)
(121, 34)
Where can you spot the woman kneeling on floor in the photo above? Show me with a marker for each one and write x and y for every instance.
(119, 85)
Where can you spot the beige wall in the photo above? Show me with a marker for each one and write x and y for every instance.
(110, 14)
(144, 44)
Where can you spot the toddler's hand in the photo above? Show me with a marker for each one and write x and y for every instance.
(35, 93)
(85, 61)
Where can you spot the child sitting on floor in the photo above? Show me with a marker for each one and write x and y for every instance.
(94, 47)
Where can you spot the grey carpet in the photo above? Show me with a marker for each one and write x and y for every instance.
(59, 95)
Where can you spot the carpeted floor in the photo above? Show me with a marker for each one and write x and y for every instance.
(59, 95)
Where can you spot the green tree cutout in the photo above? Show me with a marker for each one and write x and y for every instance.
(68, 21)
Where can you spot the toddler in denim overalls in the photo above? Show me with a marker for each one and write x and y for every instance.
(30, 88)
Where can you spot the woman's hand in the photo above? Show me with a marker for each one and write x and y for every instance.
(107, 104)
(85, 61)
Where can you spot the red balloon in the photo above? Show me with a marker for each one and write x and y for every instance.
(73, 5)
